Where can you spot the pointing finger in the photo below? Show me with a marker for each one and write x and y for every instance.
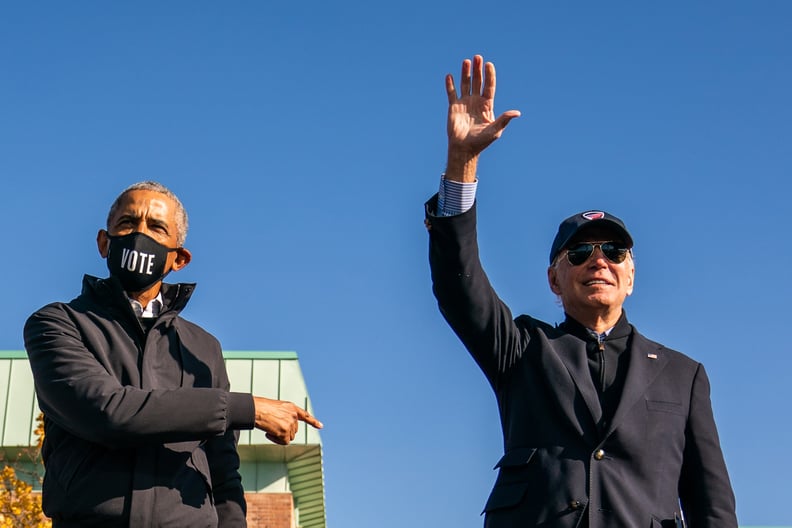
(307, 418)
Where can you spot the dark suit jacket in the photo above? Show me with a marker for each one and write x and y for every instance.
(660, 449)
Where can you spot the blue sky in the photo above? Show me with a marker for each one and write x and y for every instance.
(304, 139)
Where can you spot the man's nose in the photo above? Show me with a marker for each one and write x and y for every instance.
(598, 257)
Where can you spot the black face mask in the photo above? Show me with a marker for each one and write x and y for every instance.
(137, 260)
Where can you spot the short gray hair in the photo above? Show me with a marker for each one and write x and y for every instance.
(181, 214)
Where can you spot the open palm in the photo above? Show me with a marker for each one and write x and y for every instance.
(472, 125)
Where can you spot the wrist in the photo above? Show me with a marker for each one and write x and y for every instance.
(461, 166)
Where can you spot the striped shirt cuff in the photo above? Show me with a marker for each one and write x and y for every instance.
(455, 198)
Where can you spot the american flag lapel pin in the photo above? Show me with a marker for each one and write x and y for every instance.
(651, 356)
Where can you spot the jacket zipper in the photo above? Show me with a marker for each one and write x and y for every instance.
(601, 345)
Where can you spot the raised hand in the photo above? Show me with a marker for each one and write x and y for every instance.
(472, 125)
(279, 419)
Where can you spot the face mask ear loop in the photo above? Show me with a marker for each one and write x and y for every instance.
(170, 250)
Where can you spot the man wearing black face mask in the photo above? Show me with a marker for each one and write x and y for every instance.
(137, 260)
(139, 420)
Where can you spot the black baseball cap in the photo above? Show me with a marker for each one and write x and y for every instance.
(575, 223)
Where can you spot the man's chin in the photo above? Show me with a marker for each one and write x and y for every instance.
(602, 300)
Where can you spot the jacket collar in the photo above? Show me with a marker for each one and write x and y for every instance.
(621, 329)
(110, 292)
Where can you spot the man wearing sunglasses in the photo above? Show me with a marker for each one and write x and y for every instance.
(602, 427)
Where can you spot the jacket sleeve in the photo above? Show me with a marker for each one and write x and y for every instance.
(223, 458)
(464, 294)
(704, 488)
(80, 394)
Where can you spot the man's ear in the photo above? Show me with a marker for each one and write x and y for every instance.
(631, 281)
(552, 279)
(103, 243)
(183, 257)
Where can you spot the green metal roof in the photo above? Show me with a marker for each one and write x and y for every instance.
(277, 375)
(271, 374)
(18, 405)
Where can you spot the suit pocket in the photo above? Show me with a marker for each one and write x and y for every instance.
(505, 496)
(516, 457)
(513, 479)
(665, 406)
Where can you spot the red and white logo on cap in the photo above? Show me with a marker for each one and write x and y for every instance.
(593, 215)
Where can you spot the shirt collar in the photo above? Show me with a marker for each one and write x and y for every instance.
(152, 309)
(621, 329)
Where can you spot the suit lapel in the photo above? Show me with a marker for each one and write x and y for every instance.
(647, 361)
(572, 353)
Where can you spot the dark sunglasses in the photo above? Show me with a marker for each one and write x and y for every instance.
(616, 252)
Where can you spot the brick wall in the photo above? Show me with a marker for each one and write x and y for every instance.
(266, 510)
(270, 510)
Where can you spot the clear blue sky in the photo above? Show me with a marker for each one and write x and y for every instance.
(304, 138)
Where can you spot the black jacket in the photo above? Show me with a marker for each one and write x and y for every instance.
(560, 469)
(139, 427)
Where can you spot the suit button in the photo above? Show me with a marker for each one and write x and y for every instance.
(574, 505)
(599, 454)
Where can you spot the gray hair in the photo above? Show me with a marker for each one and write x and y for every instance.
(181, 214)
